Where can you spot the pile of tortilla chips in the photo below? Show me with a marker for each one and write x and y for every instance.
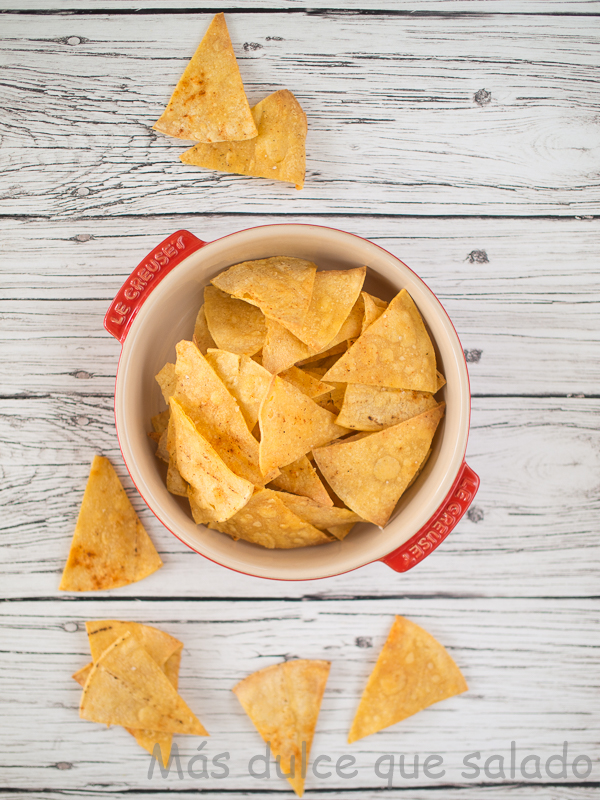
(287, 363)
(132, 681)
(209, 105)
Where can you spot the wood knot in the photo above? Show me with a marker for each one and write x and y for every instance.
(475, 514)
(473, 356)
(81, 374)
(63, 765)
(478, 257)
(364, 642)
(482, 97)
(252, 46)
(82, 237)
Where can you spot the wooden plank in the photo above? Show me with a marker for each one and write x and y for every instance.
(396, 124)
(532, 530)
(514, 792)
(530, 665)
(523, 294)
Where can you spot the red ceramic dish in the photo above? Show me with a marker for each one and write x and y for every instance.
(157, 306)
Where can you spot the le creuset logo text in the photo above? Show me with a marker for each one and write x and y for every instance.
(390, 767)
(138, 282)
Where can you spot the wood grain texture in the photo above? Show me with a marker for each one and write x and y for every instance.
(532, 531)
(503, 792)
(394, 126)
(353, 6)
(530, 665)
(524, 295)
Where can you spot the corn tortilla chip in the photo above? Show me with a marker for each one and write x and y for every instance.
(322, 517)
(158, 644)
(266, 521)
(341, 531)
(308, 384)
(110, 546)
(278, 152)
(216, 414)
(441, 381)
(283, 702)
(127, 687)
(217, 490)
(333, 297)
(244, 378)
(374, 308)
(317, 360)
(370, 473)
(167, 380)
(394, 351)
(235, 325)
(209, 103)
(160, 421)
(202, 338)
(291, 424)
(372, 408)
(300, 477)
(282, 349)
(280, 286)
(413, 671)
(175, 482)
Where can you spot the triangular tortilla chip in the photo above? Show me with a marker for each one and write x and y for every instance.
(110, 546)
(280, 286)
(266, 521)
(319, 359)
(300, 477)
(127, 687)
(311, 386)
(209, 103)
(341, 531)
(291, 424)
(370, 473)
(394, 351)
(235, 325)
(413, 671)
(334, 294)
(441, 381)
(215, 413)
(161, 421)
(374, 308)
(216, 489)
(373, 408)
(202, 338)
(282, 349)
(278, 152)
(167, 380)
(158, 644)
(283, 702)
(322, 517)
(246, 380)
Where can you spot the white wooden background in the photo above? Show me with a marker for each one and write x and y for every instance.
(464, 137)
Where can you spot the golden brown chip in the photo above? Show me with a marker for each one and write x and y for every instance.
(372, 408)
(81, 675)
(371, 472)
(235, 325)
(394, 351)
(110, 546)
(127, 687)
(341, 531)
(244, 378)
(167, 380)
(413, 671)
(374, 308)
(215, 413)
(311, 386)
(333, 297)
(300, 477)
(161, 421)
(441, 381)
(175, 482)
(280, 286)
(322, 517)
(283, 702)
(216, 489)
(282, 349)
(291, 424)
(317, 360)
(161, 449)
(266, 521)
(209, 103)
(278, 152)
(202, 338)
(158, 644)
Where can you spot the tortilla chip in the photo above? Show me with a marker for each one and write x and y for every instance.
(110, 546)
(159, 645)
(161, 421)
(394, 351)
(300, 478)
(235, 325)
(202, 338)
(322, 517)
(278, 152)
(373, 408)
(374, 308)
(280, 286)
(352, 326)
(209, 103)
(127, 687)
(283, 702)
(291, 424)
(371, 472)
(216, 489)
(308, 384)
(341, 531)
(318, 359)
(244, 378)
(167, 380)
(441, 381)
(81, 675)
(334, 294)
(216, 414)
(267, 521)
(175, 482)
(413, 671)
(282, 349)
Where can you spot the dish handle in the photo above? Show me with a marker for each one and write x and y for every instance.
(145, 277)
(443, 522)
